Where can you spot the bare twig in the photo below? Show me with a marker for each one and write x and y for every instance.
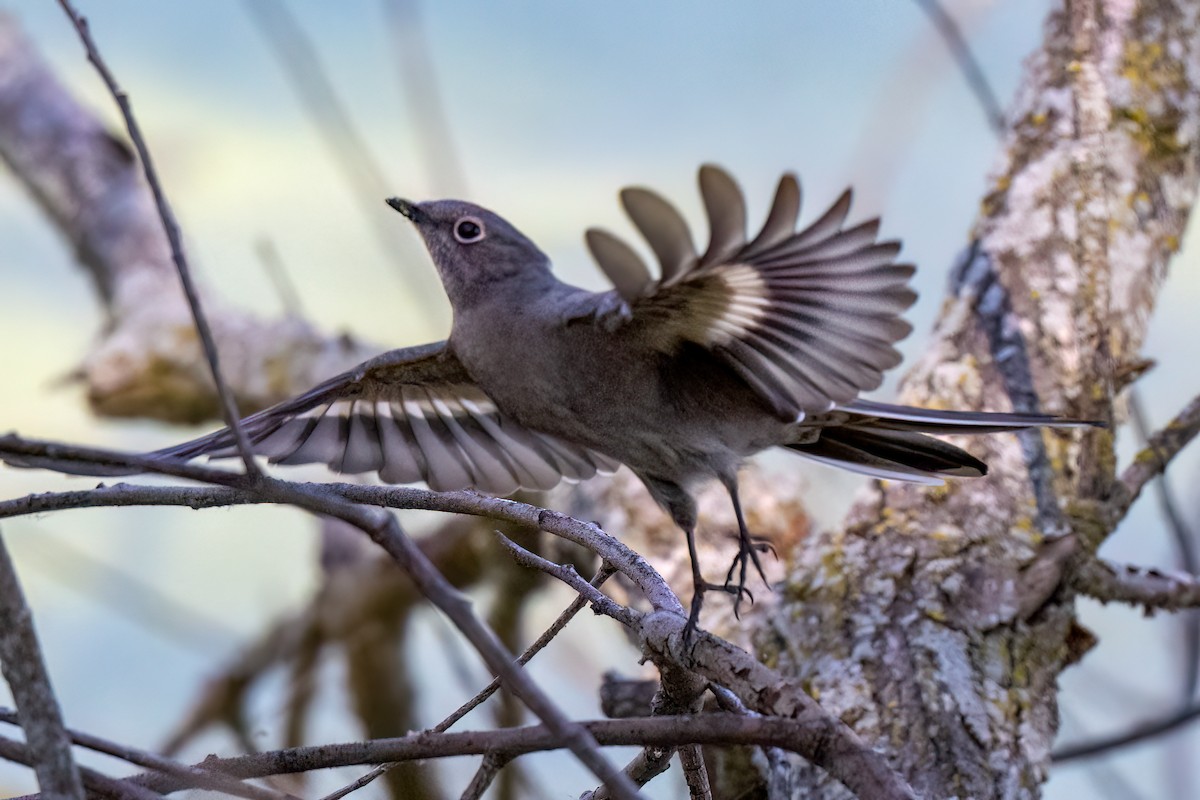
(836, 749)
(1148, 588)
(129, 594)
(1139, 733)
(25, 670)
(97, 783)
(202, 778)
(567, 574)
(603, 574)
(1154, 458)
(268, 256)
(302, 66)
(171, 228)
(665, 731)
(1185, 548)
(427, 113)
(489, 768)
(961, 52)
(385, 532)
(691, 760)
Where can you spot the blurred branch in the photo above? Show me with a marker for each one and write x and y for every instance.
(1139, 733)
(427, 113)
(960, 51)
(148, 361)
(356, 596)
(25, 671)
(268, 256)
(297, 55)
(129, 594)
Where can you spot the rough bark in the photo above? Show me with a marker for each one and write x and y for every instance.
(937, 620)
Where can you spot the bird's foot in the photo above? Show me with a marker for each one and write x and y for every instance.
(698, 591)
(748, 550)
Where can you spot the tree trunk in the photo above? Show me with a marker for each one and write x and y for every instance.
(937, 620)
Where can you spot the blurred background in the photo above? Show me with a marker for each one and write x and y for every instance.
(541, 111)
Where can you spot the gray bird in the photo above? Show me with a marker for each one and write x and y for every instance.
(748, 345)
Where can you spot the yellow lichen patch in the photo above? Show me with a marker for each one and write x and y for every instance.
(1155, 135)
(1148, 68)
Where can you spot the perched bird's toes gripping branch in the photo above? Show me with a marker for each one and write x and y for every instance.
(753, 343)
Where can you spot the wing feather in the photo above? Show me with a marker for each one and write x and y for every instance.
(807, 318)
(410, 415)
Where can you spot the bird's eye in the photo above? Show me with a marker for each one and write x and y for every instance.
(468, 230)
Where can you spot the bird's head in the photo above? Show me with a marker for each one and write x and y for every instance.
(476, 252)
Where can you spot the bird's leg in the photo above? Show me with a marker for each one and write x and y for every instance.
(748, 550)
(682, 508)
(699, 586)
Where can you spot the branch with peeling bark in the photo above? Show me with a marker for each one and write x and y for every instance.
(923, 589)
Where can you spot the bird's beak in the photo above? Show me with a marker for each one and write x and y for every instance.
(408, 209)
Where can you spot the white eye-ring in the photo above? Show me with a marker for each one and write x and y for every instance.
(469, 230)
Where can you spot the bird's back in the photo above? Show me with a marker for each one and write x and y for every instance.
(677, 415)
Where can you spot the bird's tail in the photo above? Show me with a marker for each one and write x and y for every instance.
(893, 442)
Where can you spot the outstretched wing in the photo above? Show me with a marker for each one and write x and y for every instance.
(410, 415)
(807, 318)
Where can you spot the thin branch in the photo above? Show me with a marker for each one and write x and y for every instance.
(1149, 588)
(603, 574)
(695, 775)
(171, 228)
(1154, 458)
(665, 731)
(961, 52)
(837, 749)
(25, 670)
(427, 112)
(202, 778)
(302, 67)
(1139, 733)
(489, 768)
(1185, 548)
(567, 574)
(272, 262)
(587, 535)
(385, 532)
(97, 783)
